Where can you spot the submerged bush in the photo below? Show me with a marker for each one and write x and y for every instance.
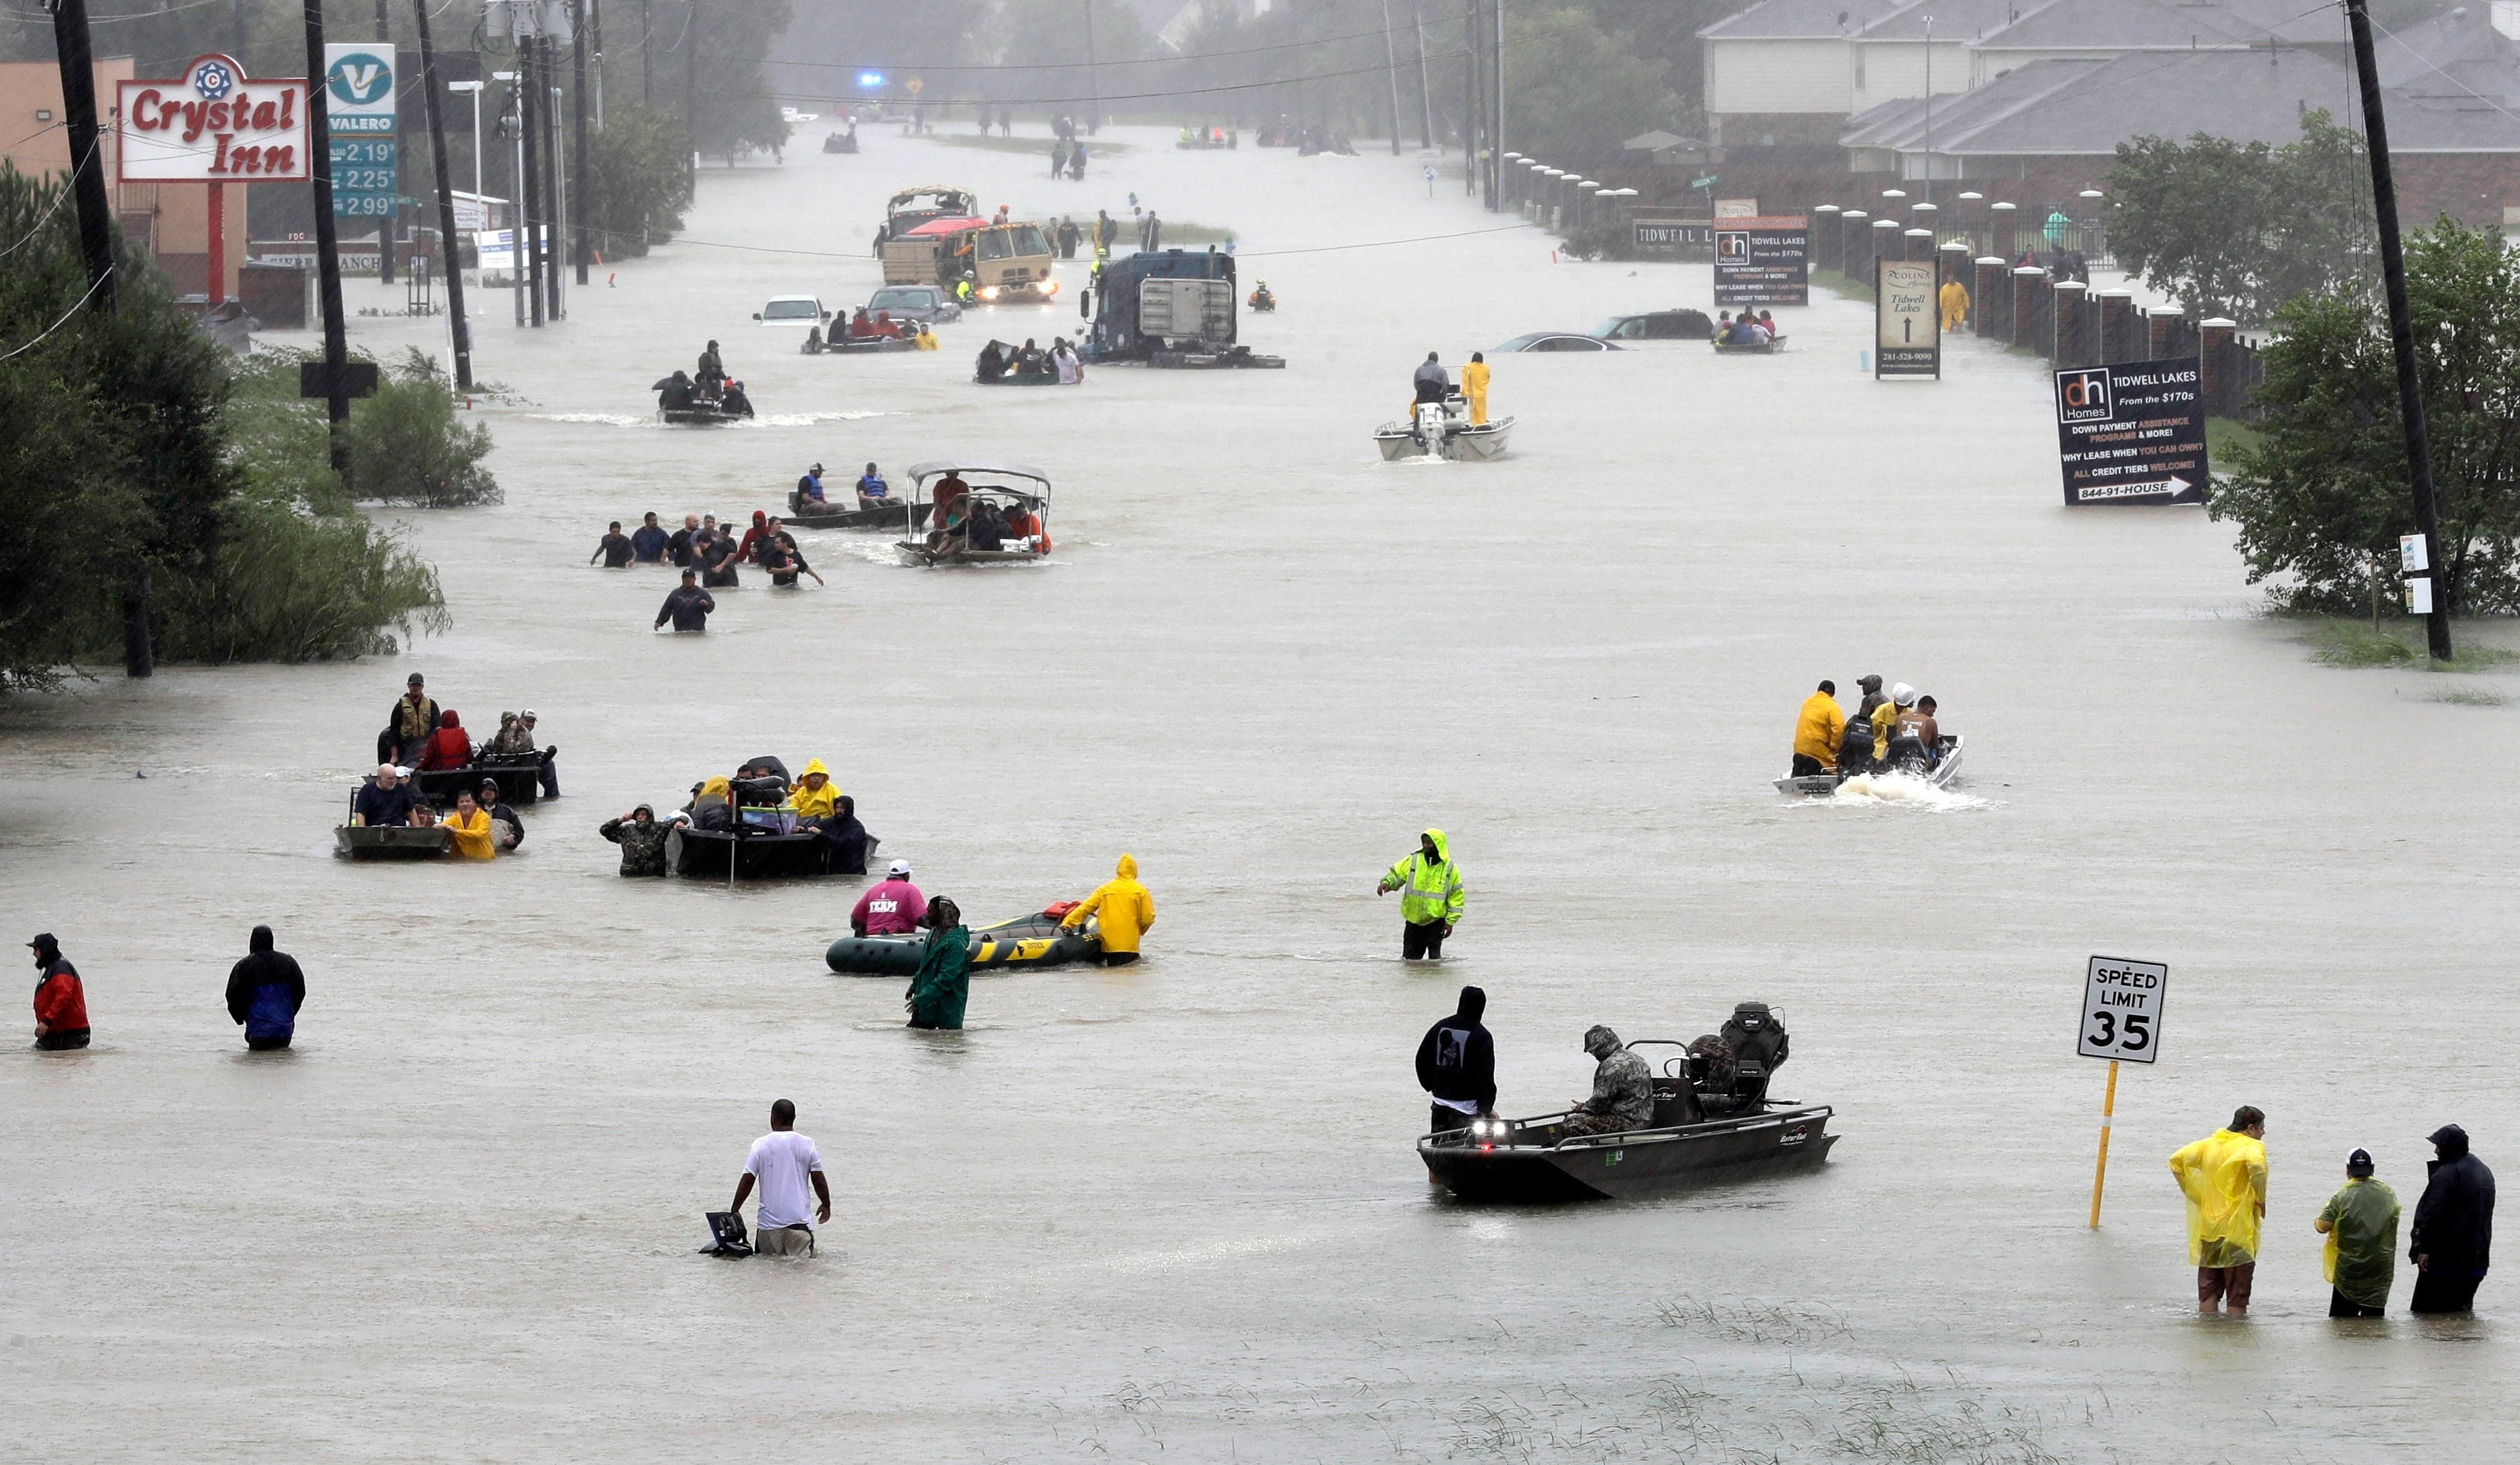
(406, 446)
(289, 585)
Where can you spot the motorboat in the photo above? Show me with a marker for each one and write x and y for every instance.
(1443, 430)
(1696, 1139)
(1767, 347)
(840, 343)
(833, 515)
(706, 413)
(1010, 487)
(1222, 359)
(1938, 773)
(1033, 940)
(391, 842)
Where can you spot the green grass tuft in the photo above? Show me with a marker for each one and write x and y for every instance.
(2354, 644)
(2473, 699)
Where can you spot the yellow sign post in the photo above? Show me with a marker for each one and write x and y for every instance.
(2100, 1168)
(2121, 1019)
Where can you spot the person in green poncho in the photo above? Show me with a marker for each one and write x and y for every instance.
(937, 995)
(2361, 1224)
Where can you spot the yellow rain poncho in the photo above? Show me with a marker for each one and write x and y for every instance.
(2225, 1178)
(1474, 387)
(814, 803)
(471, 835)
(1819, 729)
(1125, 906)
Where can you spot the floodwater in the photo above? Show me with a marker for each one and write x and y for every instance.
(1172, 1212)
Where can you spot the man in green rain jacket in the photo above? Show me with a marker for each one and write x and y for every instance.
(1430, 895)
(2361, 1224)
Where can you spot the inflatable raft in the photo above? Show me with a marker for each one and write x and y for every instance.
(1033, 940)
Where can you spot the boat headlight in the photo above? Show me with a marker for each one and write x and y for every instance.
(989, 293)
(1050, 288)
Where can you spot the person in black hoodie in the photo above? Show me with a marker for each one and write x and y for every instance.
(2454, 1233)
(264, 992)
(1457, 1064)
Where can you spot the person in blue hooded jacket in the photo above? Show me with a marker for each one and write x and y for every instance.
(264, 992)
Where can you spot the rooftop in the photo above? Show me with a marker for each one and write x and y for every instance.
(1800, 20)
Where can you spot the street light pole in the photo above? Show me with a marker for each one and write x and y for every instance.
(2402, 327)
(1929, 109)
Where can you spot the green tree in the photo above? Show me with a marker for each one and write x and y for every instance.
(638, 181)
(2236, 229)
(1603, 92)
(736, 110)
(2323, 497)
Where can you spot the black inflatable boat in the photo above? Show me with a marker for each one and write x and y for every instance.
(1033, 940)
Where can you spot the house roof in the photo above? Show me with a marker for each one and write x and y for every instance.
(1901, 124)
(2117, 26)
(2246, 96)
(1800, 20)
(2456, 54)
(1952, 20)
(2288, 23)
(1656, 141)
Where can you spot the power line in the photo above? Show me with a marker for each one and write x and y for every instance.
(93, 288)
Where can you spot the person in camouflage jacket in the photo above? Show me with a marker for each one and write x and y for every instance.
(1622, 1088)
(641, 840)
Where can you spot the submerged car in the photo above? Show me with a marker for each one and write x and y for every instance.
(1657, 325)
(792, 310)
(1556, 341)
(929, 302)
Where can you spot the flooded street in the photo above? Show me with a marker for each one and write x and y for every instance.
(1173, 1211)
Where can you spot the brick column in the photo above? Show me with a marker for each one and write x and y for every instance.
(1886, 244)
(2072, 346)
(2000, 232)
(1853, 225)
(1919, 245)
(1993, 289)
(2213, 351)
(1823, 232)
(2027, 285)
(2117, 326)
(2160, 330)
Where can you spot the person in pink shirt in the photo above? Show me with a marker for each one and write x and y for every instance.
(892, 907)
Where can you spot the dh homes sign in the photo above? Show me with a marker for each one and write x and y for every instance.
(213, 124)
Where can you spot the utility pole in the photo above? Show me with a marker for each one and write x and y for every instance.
(1093, 73)
(692, 86)
(647, 59)
(529, 255)
(577, 145)
(450, 258)
(2402, 327)
(1391, 68)
(389, 225)
(512, 127)
(88, 162)
(555, 179)
(1426, 97)
(1496, 125)
(1472, 114)
(1929, 109)
(328, 249)
(595, 18)
(71, 44)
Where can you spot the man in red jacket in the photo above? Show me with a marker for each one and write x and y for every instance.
(61, 1002)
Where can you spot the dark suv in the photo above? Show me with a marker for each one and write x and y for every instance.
(1657, 325)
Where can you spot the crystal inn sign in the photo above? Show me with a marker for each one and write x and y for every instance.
(213, 125)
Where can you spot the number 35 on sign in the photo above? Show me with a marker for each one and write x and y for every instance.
(2122, 1009)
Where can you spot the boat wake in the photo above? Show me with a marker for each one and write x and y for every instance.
(604, 419)
(808, 419)
(1900, 789)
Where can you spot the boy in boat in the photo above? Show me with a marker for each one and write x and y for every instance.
(1918, 722)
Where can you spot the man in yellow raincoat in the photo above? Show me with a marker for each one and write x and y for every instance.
(1956, 303)
(2225, 1178)
(1817, 731)
(1126, 909)
(815, 797)
(1432, 895)
(1475, 387)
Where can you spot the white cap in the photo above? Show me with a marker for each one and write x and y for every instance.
(899, 867)
(1902, 694)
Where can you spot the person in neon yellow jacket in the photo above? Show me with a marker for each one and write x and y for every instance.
(2224, 1176)
(1127, 911)
(1432, 895)
(814, 797)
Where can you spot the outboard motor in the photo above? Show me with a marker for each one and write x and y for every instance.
(1429, 426)
(1759, 1044)
(1908, 753)
(1855, 749)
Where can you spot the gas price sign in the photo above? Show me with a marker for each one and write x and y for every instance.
(2122, 1009)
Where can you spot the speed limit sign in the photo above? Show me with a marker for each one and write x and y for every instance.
(2122, 1009)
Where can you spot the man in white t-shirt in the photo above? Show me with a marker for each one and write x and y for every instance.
(781, 1162)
